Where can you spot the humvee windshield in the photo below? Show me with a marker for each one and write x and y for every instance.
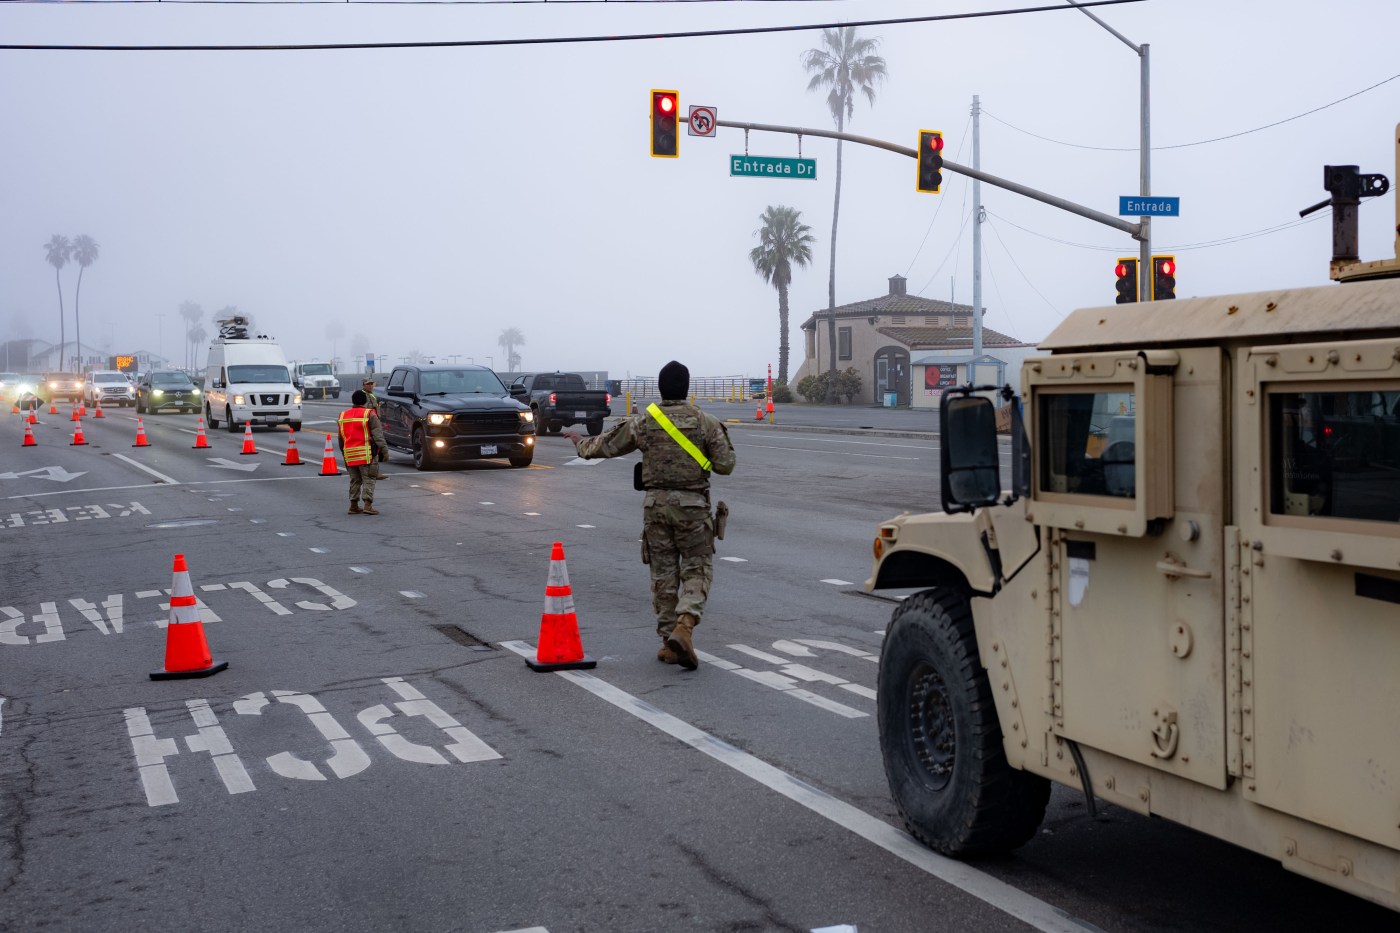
(1085, 442)
(1335, 454)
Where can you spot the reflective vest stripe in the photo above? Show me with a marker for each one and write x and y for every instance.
(354, 430)
(655, 411)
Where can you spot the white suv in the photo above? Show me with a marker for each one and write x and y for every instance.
(110, 386)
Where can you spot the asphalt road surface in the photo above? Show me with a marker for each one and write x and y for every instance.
(378, 756)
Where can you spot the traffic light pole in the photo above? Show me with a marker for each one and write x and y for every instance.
(1137, 231)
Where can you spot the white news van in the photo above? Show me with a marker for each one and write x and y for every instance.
(247, 381)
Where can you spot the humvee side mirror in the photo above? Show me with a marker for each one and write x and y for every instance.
(968, 441)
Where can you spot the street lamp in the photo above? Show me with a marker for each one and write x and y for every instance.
(1144, 148)
(491, 361)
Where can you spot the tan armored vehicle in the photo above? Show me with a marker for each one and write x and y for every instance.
(1188, 604)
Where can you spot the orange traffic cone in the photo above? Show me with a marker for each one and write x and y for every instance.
(98, 412)
(29, 436)
(33, 417)
(14, 409)
(328, 466)
(248, 447)
(186, 651)
(758, 412)
(140, 434)
(78, 439)
(769, 407)
(293, 458)
(53, 410)
(53, 406)
(82, 409)
(200, 441)
(559, 648)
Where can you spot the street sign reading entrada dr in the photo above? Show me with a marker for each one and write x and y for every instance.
(747, 166)
(1148, 205)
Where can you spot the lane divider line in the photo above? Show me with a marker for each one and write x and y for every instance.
(993, 891)
(156, 473)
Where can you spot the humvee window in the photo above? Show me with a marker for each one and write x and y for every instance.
(1335, 454)
(1086, 443)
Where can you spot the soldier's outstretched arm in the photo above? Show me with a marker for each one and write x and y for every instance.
(621, 439)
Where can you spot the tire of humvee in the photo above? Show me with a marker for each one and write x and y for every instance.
(940, 738)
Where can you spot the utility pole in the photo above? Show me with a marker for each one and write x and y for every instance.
(976, 239)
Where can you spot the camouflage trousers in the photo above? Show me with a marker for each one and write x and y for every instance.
(679, 543)
(362, 481)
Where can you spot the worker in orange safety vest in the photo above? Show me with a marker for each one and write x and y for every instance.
(361, 444)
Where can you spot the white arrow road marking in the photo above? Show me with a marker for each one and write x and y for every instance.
(1010, 900)
(56, 473)
(222, 464)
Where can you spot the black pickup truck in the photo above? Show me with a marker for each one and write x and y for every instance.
(444, 414)
(561, 399)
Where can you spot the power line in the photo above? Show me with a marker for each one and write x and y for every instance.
(552, 40)
(957, 241)
(1221, 241)
(1199, 142)
(1023, 273)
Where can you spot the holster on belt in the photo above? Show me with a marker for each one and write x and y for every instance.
(721, 520)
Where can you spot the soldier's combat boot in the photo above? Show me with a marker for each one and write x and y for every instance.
(355, 508)
(679, 641)
(665, 655)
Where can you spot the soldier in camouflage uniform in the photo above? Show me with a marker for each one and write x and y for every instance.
(677, 528)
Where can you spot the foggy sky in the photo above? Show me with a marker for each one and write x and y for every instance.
(430, 198)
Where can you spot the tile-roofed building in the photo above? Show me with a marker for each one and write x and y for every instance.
(906, 345)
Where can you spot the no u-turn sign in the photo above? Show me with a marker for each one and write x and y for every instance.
(703, 121)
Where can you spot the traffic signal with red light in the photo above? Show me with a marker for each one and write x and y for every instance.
(930, 161)
(1163, 277)
(1127, 272)
(665, 107)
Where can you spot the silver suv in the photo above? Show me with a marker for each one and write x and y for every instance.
(110, 387)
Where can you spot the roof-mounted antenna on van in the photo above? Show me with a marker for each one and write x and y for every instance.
(234, 328)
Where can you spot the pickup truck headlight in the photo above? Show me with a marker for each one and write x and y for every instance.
(438, 417)
(527, 416)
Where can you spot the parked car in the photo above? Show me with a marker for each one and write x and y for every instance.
(454, 413)
(561, 399)
(110, 387)
(11, 386)
(62, 385)
(166, 388)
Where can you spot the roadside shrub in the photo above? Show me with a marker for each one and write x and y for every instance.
(813, 388)
(782, 392)
(848, 383)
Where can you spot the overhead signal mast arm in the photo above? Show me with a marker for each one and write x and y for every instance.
(1136, 231)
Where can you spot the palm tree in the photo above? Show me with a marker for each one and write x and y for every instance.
(782, 240)
(844, 65)
(511, 338)
(334, 330)
(191, 311)
(197, 336)
(56, 253)
(84, 254)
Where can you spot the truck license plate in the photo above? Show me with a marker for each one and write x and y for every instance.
(488, 449)
(580, 414)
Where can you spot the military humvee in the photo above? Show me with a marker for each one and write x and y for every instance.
(1188, 603)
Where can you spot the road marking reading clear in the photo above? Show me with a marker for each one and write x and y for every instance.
(979, 884)
(141, 466)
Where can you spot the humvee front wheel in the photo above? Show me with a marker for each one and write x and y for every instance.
(940, 737)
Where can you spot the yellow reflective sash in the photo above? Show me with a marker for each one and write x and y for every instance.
(655, 411)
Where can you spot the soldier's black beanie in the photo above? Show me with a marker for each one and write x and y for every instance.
(358, 398)
(674, 381)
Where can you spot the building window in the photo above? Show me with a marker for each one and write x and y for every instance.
(843, 343)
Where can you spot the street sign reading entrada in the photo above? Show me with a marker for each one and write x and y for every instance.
(747, 166)
(1148, 206)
